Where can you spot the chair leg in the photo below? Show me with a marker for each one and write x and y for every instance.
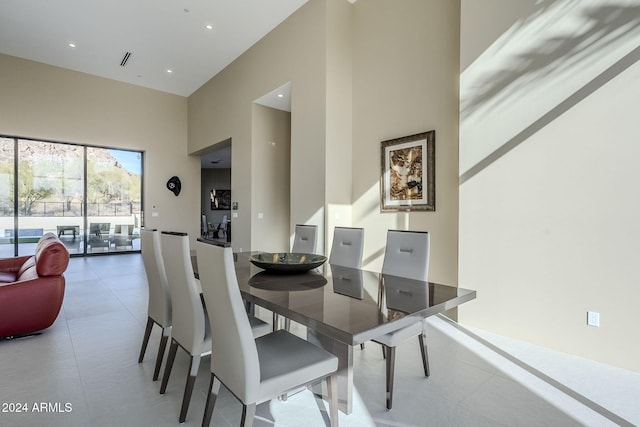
(167, 368)
(214, 389)
(145, 339)
(391, 357)
(276, 323)
(161, 348)
(332, 387)
(194, 364)
(425, 355)
(248, 412)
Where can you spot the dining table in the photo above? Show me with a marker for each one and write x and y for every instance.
(344, 307)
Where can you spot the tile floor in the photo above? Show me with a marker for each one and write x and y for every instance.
(85, 371)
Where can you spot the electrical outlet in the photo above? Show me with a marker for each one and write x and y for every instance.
(593, 318)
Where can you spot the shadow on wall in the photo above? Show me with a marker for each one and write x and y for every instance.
(541, 68)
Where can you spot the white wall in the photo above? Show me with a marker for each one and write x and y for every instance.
(548, 147)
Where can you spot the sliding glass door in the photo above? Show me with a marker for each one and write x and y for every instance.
(50, 193)
(114, 209)
(7, 212)
(90, 197)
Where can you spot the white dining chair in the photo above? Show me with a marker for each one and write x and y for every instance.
(305, 239)
(346, 249)
(254, 370)
(190, 328)
(406, 255)
(159, 302)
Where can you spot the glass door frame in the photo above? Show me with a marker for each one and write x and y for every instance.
(84, 233)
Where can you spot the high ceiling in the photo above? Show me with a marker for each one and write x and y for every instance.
(171, 48)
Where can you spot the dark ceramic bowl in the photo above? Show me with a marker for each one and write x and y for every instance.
(287, 262)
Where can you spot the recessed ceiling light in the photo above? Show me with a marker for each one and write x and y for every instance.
(169, 70)
(72, 45)
(280, 95)
(209, 27)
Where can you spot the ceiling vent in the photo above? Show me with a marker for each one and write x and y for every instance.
(125, 58)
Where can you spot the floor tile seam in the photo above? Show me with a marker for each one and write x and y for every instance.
(77, 368)
(131, 313)
(579, 398)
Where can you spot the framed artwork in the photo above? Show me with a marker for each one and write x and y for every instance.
(407, 179)
(220, 200)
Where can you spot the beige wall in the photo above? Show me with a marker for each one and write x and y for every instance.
(222, 108)
(359, 74)
(549, 143)
(41, 101)
(271, 165)
(405, 68)
(339, 114)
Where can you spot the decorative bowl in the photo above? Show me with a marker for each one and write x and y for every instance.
(287, 262)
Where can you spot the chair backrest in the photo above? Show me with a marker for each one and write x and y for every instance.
(223, 223)
(159, 307)
(346, 249)
(234, 357)
(205, 226)
(188, 319)
(123, 229)
(407, 254)
(305, 239)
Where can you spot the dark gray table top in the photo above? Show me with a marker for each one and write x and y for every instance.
(348, 305)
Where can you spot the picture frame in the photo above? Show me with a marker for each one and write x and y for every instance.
(220, 200)
(408, 176)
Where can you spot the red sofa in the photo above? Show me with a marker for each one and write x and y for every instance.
(32, 288)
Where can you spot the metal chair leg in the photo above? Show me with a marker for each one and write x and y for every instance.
(248, 412)
(214, 389)
(194, 364)
(167, 369)
(425, 355)
(391, 358)
(161, 348)
(145, 339)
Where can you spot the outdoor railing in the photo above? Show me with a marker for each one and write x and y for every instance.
(75, 209)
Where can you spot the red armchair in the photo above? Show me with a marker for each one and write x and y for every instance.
(32, 288)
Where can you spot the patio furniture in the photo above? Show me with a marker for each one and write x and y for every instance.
(99, 235)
